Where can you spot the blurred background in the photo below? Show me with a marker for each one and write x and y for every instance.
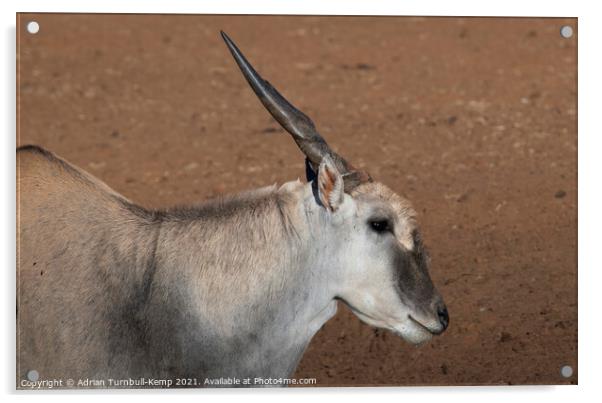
(473, 119)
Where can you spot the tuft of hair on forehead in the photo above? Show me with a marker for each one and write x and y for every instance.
(401, 205)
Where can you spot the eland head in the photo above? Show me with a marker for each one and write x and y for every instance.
(368, 231)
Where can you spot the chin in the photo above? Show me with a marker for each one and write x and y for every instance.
(407, 329)
(412, 333)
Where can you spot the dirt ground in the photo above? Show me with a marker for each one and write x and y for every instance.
(474, 120)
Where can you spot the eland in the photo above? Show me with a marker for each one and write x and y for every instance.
(232, 288)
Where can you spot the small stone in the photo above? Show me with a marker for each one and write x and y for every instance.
(560, 194)
(97, 165)
(505, 336)
(462, 198)
(444, 369)
(305, 66)
(478, 106)
(90, 93)
(364, 66)
(191, 166)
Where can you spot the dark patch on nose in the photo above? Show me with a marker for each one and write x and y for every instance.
(413, 279)
(419, 253)
(414, 283)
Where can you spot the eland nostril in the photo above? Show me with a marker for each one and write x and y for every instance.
(443, 316)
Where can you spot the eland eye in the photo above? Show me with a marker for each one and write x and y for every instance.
(380, 225)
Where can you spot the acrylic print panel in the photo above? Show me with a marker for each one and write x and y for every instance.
(471, 120)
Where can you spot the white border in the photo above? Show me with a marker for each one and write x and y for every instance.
(332, 7)
(589, 185)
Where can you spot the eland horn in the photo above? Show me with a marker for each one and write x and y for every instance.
(299, 125)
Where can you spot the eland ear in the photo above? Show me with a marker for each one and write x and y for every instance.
(330, 184)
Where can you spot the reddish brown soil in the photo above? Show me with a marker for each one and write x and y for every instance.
(474, 120)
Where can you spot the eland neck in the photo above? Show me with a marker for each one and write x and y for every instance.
(246, 281)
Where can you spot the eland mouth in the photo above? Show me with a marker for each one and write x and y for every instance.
(436, 332)
(424, 327)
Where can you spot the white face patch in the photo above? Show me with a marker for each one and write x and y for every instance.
(371, 271)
